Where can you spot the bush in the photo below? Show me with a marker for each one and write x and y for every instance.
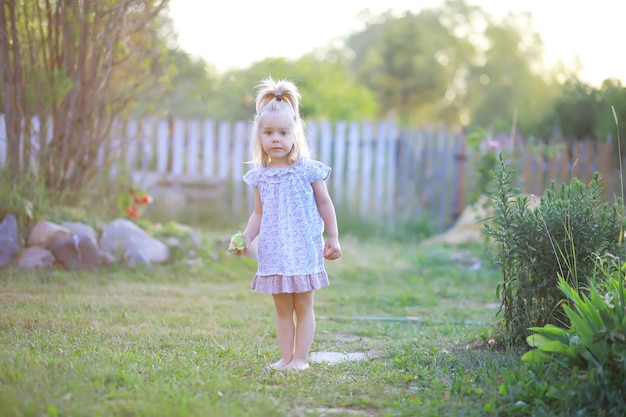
(533, 247)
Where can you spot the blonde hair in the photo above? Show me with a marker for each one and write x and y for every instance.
(278, 96)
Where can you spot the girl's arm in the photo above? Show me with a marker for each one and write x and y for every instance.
(254, 223)
(332, 248)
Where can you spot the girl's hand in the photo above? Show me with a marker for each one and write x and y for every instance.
(239, 243)
(332, 248)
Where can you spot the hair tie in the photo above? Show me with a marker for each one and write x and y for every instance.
(279, 97)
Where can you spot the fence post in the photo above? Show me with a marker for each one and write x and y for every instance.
(576, 161)
(353, 163)
(239, 158)
(565, 163)
(193, 147)
(326, 143)
(552, 162)
(366, 170)
(163, 145)
(3, 142)
(208, 148)
(442, 144)
(148, 132)
(379, 171)
(539, 172)
(605, 151)
(526, 169)
(223, 150)
(339, 162)
(460, 157)
(312, 136)
(392, 162)
(178, 147)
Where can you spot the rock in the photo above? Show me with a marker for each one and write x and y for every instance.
(45, 232)
(81, 229)
(76, 252)
(124, 241)
(9, 239)
(332, 358)
(36, 257)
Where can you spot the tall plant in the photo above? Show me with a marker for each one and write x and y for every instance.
(533, 247)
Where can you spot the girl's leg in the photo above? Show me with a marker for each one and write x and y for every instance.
(305, 329)
(285, 328)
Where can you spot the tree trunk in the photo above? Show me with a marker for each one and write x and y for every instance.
(11, 67)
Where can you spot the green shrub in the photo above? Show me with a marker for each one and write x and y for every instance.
(533, 247)
(25, 198)
(593, 347)
(30, 200)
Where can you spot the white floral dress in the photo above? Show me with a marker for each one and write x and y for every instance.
(290, 251)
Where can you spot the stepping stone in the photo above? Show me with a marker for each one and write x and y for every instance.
(332, 358)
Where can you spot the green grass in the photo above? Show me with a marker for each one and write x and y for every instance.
(181, 340)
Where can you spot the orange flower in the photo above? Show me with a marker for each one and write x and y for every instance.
(143, 200)
(132, 212)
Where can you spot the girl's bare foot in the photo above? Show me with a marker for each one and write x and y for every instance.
(297, 365)
(280, 365)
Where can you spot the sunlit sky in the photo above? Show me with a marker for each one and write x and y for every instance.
(236, 33)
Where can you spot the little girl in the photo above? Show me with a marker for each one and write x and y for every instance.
(291, 209)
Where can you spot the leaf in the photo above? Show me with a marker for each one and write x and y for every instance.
(502, 389)
(536, 340)
(536, 356)
(554, 346)
(123, 201)
(28, 210)
(581, 326)
(551, 329)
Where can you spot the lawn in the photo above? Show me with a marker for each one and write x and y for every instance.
(191, 339)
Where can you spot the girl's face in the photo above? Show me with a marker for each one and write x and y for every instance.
(276, 130)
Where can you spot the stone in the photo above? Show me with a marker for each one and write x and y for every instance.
(81, 229)
(9, 239)
(46, 232)
(332, 358)
(36, 257)
(76, 252)
(125, 241)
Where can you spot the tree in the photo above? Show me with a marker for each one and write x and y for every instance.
(69, 68)
(508, 88)
(575, 108)
(453, 64)
(186, 86)
(411, 62)
(612, 96)
(328, 91)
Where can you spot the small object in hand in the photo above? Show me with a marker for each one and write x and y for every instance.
(237, 242)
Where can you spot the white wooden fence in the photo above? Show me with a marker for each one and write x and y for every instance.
(365, 158)
(381, 174)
